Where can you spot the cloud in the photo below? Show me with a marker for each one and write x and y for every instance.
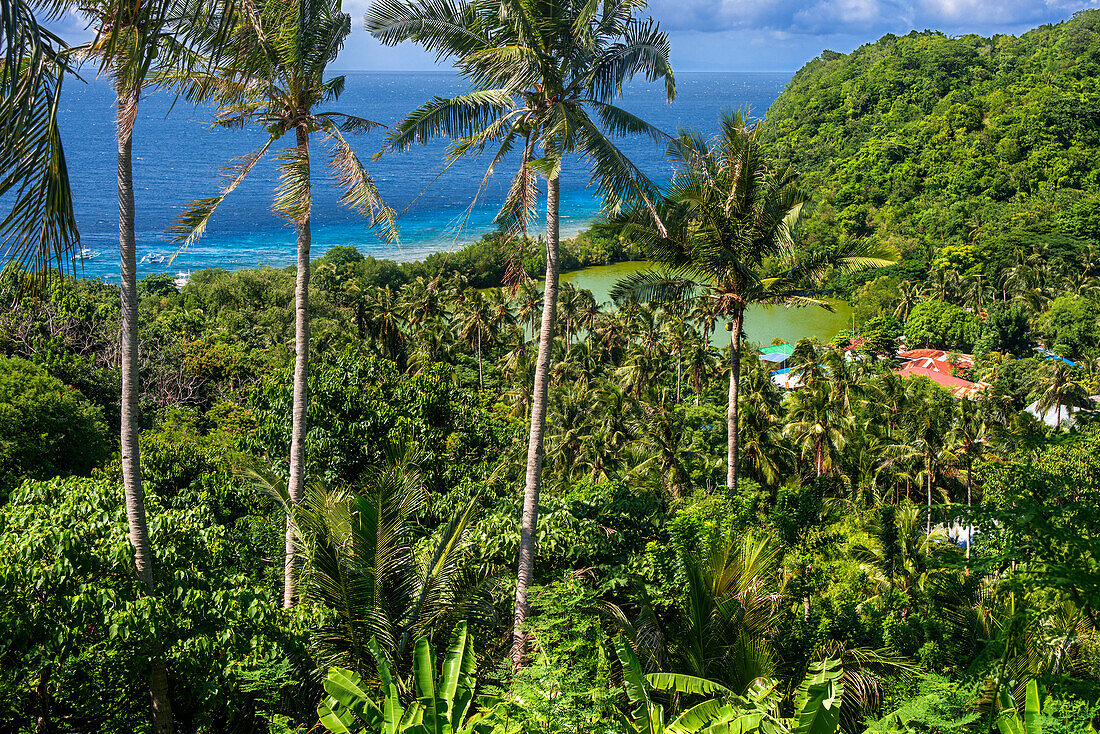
(862, 17)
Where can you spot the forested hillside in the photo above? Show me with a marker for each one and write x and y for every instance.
(927, 141)
(358, 496)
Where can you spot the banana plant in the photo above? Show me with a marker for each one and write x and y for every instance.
(1010, 721)
(442, 703)
(817, 704)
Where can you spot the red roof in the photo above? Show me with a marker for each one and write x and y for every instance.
(959, 387)
(929, 357)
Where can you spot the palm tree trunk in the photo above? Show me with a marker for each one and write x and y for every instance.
(969, 525)
(301, 373)
(130, 428)
(480, 375)
(679, 377)
(526, 561)
(731, 408)
(928, 467)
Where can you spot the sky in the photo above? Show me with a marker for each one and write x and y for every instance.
(752, 35)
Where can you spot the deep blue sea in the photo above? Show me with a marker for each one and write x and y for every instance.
(177, 158)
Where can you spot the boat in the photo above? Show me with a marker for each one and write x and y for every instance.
(181, 279)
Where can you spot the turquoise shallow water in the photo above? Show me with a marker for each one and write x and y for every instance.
(177, 159)
(762, 324)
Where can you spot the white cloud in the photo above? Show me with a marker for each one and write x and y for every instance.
(861, 16)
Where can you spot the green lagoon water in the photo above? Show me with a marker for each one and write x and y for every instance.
(762, 324)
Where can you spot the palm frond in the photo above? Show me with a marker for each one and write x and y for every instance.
(40, 229)
(192, 224)
(655, 286)
(360, 193)
(294, 195)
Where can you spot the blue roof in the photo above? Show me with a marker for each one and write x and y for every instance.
(776, 357)
(1051, 355)
(782, 371)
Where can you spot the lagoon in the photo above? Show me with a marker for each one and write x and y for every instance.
(762, 323)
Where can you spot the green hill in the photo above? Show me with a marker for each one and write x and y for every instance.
(927, 140)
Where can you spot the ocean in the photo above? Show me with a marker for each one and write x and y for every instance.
(177, 158)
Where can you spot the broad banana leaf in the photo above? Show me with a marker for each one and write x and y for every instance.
(682, 683)
(392, 712)
(744, 723)
(817, 705)
(697, 717)
(348, 709)
(426, 694)
(648, 718)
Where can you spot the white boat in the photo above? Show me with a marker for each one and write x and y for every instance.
(181, 279)
(86, 254)
(153, 257)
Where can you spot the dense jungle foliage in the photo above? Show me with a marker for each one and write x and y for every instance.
(894, 560)
(958, 150)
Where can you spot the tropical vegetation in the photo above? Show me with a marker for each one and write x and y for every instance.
(331, 463)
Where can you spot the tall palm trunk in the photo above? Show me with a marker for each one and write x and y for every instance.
(969, 497)
(130, 428)
(731, 409)
(929, 494)
(480, 374)
(301, 373)
(679, 377)
(526, 562)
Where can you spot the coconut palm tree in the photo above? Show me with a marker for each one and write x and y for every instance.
(819, 424)
(968, 439)
(1061, 387)
(277, 80)
(545, 75)
(422, 302)
(476, 326)
(728, 234)
(381, 311)
(139, 44)
(701, 362)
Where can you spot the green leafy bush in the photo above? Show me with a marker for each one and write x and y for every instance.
(47, 428)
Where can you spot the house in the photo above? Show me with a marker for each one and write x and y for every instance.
(959, 387)
(785, 380)
(938, 359)
(776, 355)
(1054, 417)
(1047, 354)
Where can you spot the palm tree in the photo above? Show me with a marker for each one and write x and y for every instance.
(422, 302)
(277, 79)
(476, 325)
(138, 44)
(819, 425)
(968, 438)
(701, 362)
(1061, 387)
(381, 312)
(730, 219)
(529, 305)
(731, 604)
(924, 431)
(662, 434)
(676, 332)
(541, 70)
(363, 564)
